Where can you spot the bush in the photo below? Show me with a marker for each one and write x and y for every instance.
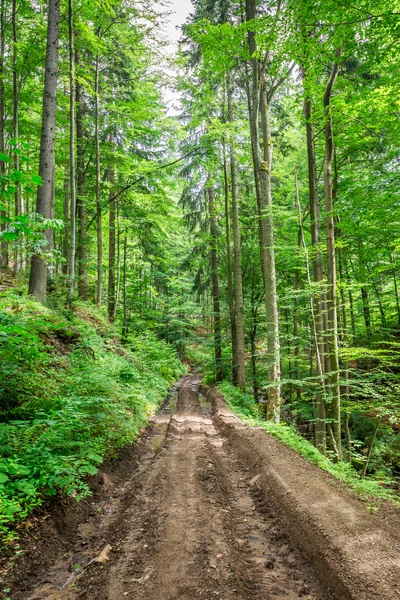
(70, 396)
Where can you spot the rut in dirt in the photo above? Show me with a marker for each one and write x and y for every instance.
(190, 524)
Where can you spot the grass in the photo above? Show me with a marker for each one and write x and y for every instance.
(368, 489)
(70, 396)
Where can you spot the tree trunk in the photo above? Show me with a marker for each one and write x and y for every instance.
(125, 298)
(396, 289)
(72, 179)
(81, 202)
(98, 190)
(231, 304)
(296, 321)
(65, 232)
(370, 447)
(237, 256)
(118, 269)
(45, 196)
(318, 268)
(17, 198)
(334, 375)
(215, 285)
(3, 213)
(111, 247)
(262, 168)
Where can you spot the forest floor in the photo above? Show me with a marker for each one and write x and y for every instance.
(181, 517)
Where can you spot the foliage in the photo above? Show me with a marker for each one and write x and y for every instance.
(369, 489)
(71, 395)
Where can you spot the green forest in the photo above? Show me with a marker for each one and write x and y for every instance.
(229, 208)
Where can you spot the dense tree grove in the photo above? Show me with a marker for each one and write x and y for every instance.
(257, 229)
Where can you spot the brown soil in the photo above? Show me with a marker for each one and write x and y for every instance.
(186, 519)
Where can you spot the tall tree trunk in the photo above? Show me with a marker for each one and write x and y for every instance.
(262, 168)
(237, 256)
(296, 320)
(65, 232)
(215, 285)
(111, 246)
(3, 213)
(118, 269)
(81, 201)
(72, 177)
(364, 291)
(318, 356)
(231, 303)
(125, 295)
(17, 197)
(45, 196)
(318, 268)
(334, 375)
(98, 190)
(253, 339)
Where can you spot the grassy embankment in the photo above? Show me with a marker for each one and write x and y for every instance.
(368, 488)
(71, 395)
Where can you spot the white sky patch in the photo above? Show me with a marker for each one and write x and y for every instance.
(180, 10)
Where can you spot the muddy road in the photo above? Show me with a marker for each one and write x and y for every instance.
(189, 523)
(183, 518)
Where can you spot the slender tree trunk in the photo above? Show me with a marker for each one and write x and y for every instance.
(237, 254)
(271, 300)
(364, 291)
(231, 303)
(111, 246)
(317, 346)
(366, 311)
(215, 285)
(262, 168)
(81, 201)
(370, 448)
(396, 289)
(45, 196)
(125, 296)
(72, 176)
(318, 268)
(17, 198)
(296, 321)
(98, 190)
(3, 213)
(65, 232)
(118, 269)
(334, 375)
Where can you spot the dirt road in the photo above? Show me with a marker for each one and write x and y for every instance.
(189, 524)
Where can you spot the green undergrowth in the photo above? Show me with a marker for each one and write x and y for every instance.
(368, 489)
(71, 395)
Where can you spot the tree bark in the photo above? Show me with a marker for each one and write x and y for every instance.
(318, 268)
(111, 247)
(45, 196)
(125, 296)
(118, 269)
(3, 213)
(17, 194)
(262, 168)
(72, 175)
(80, 195)
(332, 337)
(215, 285)
(237, 257)
(65, 232)
(98, 191)
(231, 303)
